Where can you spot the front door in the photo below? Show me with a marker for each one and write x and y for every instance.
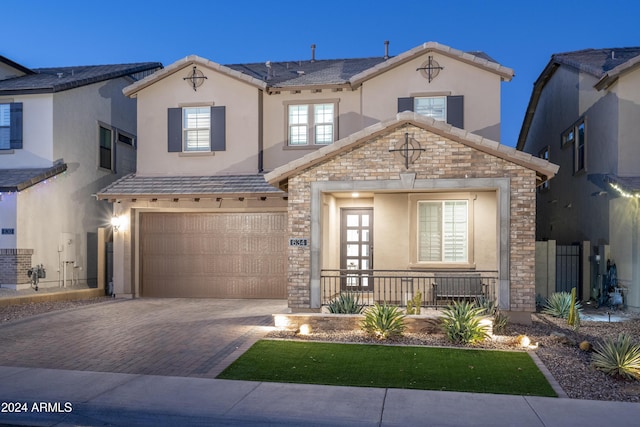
(356, 249)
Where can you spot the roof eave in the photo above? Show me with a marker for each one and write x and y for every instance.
(505, 73)
(132, 90)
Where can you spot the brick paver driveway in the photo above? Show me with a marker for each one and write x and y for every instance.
(174, 337)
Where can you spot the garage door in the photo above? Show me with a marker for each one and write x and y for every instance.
(213, 255)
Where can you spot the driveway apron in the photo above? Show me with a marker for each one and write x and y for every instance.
(172, 337)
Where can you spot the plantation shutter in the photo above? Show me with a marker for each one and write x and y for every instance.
(455, 231)
(174, 132)
(218, 128)
(455, 111)
(15, 133)
(429, 231)
(405, 104)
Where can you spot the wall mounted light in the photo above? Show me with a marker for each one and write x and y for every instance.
(118, 222)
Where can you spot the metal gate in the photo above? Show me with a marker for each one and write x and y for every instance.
(568, 268)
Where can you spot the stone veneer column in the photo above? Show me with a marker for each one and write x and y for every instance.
(14, 264)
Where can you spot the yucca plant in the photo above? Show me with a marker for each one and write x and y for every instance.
(346, 303)
(618, 357)
(384, 321)
(559, 305)
(462, 323)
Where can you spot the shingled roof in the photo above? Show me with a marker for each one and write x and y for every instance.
(605, 64)
(276, 75)
(50, 80)
(168, 187)
(15, 180)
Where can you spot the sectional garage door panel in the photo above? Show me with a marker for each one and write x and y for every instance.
(207, 255)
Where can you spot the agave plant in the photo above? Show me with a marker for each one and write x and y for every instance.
(618, 357)
(346, 303)
(462, 323)
(559, 305)
(384, 321)
(490, 308)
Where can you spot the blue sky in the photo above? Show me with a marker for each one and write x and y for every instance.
(518, 34)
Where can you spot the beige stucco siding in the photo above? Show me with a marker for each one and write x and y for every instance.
(242, 107)
(628, 96)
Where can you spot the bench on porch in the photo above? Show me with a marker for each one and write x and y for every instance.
(458, 288)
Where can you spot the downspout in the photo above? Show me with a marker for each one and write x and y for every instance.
(260, 131)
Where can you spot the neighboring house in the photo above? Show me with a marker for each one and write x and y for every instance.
(413, 135)
(65, 133)
(584, 115)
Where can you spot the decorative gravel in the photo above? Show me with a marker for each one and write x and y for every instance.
(555, 343)
(20, 311)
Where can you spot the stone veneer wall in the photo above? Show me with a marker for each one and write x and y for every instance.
(443, 159)
(14, 264)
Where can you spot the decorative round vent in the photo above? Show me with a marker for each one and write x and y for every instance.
(430, 69)
(195, 78)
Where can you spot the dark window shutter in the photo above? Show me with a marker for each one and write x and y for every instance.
(455, 111)
(15, 119)
(218, 129)
(174, 133)
(405, 104)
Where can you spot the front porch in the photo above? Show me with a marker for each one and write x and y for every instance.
(434, 289)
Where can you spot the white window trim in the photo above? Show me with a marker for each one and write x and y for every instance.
(443, 97)
(185, 129)
(414, 200)
(311, 125)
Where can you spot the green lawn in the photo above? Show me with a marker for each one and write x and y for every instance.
(424, 368)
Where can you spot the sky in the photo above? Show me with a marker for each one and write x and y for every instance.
(521, 35)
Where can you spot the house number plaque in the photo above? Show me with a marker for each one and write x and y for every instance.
(298, 242)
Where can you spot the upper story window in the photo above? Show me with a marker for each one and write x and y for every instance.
(11, 126)
(311, 124)
(196, 126)
(105, 137)
(449, 109)
(576, 135)
(196, 129)
(544, 154)
(431, 106)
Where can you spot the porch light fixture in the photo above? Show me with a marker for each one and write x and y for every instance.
(355, 195)
(118, 222)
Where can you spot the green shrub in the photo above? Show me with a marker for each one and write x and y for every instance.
(413, 305)
(462, 323)
(346, 303)
(618, 357)
(490, 308)
(383, 321)
(559, 305)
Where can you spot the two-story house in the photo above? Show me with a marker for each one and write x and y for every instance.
(373, 165)
(584, 116)
(65, 133)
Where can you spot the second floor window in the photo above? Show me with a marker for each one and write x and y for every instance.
(11, 126)
(105, 135)
(311, 124)
(576, 137)
(432, 106)
(196, 128)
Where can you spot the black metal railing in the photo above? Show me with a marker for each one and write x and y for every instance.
(397, 287)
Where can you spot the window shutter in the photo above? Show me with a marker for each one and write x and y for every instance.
(174, 133)
(455, 111)
(218, 129)
(15, 118)
(405, 104)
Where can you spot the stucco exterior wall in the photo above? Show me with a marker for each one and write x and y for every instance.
(628, 97)
(446, 159)
(625, 247)
(242, 125)
(59, 218)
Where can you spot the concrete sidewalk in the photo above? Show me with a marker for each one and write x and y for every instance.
(62, 397)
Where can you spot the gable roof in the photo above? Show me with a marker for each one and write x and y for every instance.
(543, 168)
(57, 79)
(350, 72)
(21, 68)
(605, 64)
(14, 180)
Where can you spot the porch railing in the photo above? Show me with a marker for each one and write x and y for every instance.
(397, 287)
